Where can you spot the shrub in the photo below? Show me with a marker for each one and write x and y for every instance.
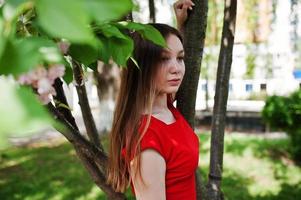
(284, 113)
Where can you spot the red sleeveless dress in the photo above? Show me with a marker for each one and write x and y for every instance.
(179, 146)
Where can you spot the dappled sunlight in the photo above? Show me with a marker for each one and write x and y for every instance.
(46, 173)
(251, 171)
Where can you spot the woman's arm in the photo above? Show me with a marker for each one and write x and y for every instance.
(180, 8)
(153, 173)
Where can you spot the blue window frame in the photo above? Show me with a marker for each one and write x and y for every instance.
(204, 86)
(249, 87)
(230, 87)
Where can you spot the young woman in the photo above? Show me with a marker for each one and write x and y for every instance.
(152, 147)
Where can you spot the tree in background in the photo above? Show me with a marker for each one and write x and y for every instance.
(152, 11)
(187, 94)
(220, 102)
(194, 39)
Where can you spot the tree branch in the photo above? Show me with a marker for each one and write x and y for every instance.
(98, 177)
(61, 98)
(84, 104)
(91, 157)
(74, 137)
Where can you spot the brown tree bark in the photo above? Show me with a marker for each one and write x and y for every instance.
(152, 11)
(84, 104)
(194, 39)
(93, 158)
(220, 102)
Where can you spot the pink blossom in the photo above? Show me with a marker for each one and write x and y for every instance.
(24, 79)
(42, 79)
(37, 74)
(44, 98)
(45, 87)
(55, 71)
(64, 47)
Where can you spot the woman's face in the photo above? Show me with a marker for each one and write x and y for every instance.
(172, 68)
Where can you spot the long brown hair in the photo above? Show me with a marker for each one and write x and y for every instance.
(136, 95)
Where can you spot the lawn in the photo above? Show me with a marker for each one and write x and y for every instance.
(254, 168)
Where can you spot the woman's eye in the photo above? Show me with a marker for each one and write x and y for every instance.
(164, 58)
(181, 58)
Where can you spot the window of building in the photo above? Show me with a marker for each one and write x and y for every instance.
(230, 87)
(263, 87)
(204, 86)
(249, 87)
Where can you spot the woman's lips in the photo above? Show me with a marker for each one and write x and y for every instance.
(174, 82)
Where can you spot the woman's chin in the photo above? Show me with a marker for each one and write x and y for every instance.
(171, 90)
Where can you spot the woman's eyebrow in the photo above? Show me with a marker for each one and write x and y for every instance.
(169, 51)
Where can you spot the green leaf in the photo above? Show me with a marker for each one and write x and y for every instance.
(147, 31)
(65, 19)
(85, 54)
(108, 10)
(21, 112)
(109, 30)
(20, 56)
(105, 52)
(93, 66)
(2, 38)
(68, 76)
(121, 49)
(153, 35)
(13, 8)
(135, 62)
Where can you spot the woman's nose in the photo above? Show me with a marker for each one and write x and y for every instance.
(175, 67)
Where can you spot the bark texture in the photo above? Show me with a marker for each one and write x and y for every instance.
(152, 11)
(194, 40)
(220, 102)
(93, 157)
(84, 103)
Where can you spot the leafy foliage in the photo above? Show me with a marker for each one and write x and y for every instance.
(30, 33)
(285, 113)
(21, 113)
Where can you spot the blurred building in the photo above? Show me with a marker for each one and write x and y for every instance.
(266, 58)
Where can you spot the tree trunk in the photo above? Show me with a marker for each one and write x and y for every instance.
(194, 39)
(152, 11)
(220, 102)
(107, 82)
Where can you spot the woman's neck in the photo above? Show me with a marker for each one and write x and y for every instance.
(160, 103)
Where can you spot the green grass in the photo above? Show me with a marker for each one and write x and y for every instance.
(254, 168)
